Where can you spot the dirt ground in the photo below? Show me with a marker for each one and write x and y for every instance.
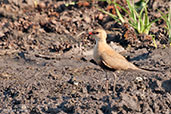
(46, 63)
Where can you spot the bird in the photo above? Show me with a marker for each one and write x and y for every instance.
(104, 55)
(108, 58)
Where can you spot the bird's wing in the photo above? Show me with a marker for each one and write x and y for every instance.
(114, 60)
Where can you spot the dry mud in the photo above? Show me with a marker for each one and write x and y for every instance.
(46, 63)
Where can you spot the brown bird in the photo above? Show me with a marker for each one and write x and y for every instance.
(105, 55)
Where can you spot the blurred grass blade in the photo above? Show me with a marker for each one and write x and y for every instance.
(154, 41)
(110, 14)
(119, 14)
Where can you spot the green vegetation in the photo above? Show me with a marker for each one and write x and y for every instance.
(137, 17)
(167, 19)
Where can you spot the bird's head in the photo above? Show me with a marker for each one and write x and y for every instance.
(99, 35)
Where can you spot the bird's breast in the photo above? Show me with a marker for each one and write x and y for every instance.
(96, 54)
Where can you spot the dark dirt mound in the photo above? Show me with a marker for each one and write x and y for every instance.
(31, 83)
(46, 63)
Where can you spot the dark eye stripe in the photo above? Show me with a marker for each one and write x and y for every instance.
(95, 32)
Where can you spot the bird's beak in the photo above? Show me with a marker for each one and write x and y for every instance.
(90, 33)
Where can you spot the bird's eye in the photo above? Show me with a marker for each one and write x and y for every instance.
(95, 32)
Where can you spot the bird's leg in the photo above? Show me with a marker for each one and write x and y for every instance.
(107, 82)
(114, 83)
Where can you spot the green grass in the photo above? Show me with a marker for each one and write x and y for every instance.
(138, 19)
(167, 19)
